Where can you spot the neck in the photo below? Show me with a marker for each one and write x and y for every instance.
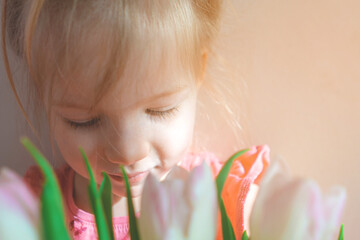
(81, 199)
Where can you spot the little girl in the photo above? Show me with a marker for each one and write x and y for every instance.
(121, 78)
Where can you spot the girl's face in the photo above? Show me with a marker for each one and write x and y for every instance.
(144, 125)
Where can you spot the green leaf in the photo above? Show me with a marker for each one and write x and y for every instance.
(341, 235)
(134, 234)
(96, 204)
(105, 193)
(52, 208)
(227, 229)
(245, 236)
(221, 178)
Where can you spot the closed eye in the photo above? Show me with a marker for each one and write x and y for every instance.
(162, 115)
(86, 125)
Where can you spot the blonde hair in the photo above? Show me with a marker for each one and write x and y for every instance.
(52, 39)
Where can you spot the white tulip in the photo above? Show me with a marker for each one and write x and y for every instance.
(293, 208)
(183, 206)
(19, 209)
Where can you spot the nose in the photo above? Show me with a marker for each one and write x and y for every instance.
(126, 144)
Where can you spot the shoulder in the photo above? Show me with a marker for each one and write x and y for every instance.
(34, 177)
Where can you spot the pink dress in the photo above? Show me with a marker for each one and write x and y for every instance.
(246, 170)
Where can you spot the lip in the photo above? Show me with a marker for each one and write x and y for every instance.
(134, 178)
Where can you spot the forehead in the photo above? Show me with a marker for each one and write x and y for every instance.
(126, 52)
(130, 89)
(142, 66)
(125, 57)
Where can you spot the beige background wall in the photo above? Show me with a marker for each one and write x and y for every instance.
(300, 62)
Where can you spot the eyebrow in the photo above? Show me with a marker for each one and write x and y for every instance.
(150, 99)
(71, 105)
(164, 94)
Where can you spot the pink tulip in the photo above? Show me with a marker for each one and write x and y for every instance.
(183, 206)
(288, 208)
(19, 209)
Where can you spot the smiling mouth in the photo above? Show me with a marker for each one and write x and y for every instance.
(134, 178)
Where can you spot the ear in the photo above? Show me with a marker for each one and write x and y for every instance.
(204, 58)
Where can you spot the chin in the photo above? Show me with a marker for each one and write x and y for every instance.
(120, 191)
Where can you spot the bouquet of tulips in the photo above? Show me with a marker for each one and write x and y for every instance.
(183, 206)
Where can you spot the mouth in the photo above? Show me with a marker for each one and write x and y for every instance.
(134, 178)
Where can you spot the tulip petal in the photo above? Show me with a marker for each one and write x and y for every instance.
(154, 206)
(289, 208)
(201, 194)
(183, 206)
(20, 210)
(334, 204)
(178, 211)
(177, 173)
(173, 233)
(281, 209)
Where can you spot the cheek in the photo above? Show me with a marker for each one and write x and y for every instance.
(174, 139)
(69, 141)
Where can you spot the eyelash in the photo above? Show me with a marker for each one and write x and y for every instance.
(161, 115)
(89, 124)
(154, 115)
